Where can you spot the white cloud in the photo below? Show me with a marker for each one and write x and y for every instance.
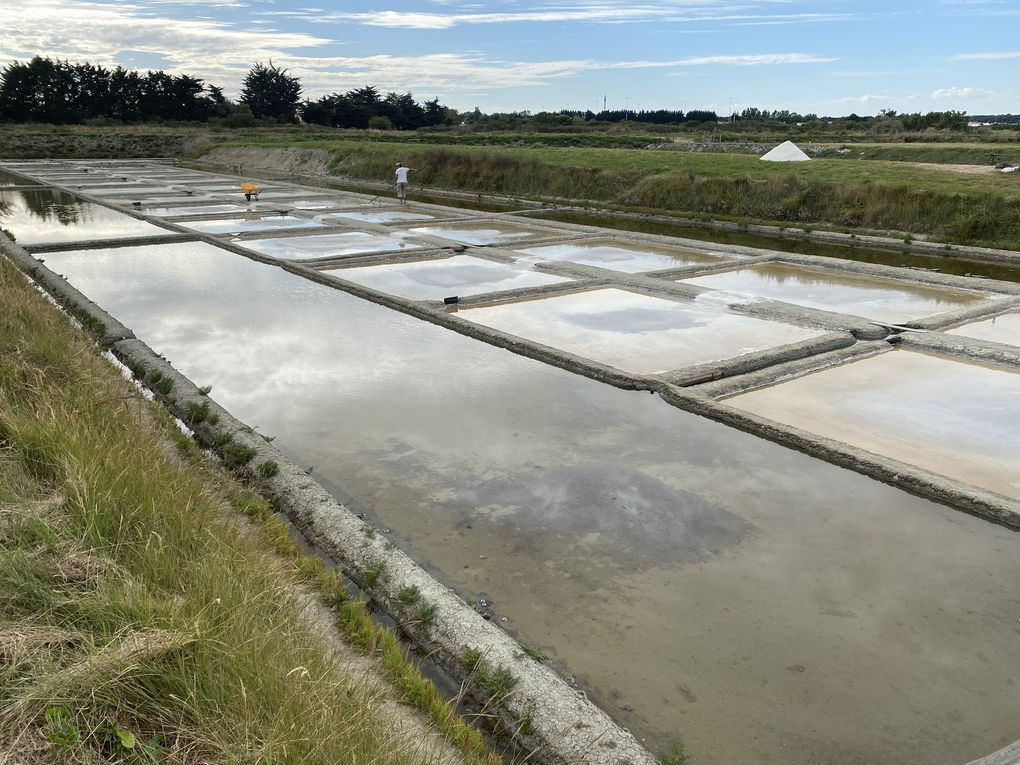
(608, 12)
(209, 3)
(762, 59)
(98, 32)
(222, 53)
(955, 93)
(989, 56)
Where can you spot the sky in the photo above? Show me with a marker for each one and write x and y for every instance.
(828, 57)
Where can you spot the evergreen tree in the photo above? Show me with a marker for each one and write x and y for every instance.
(270, 92)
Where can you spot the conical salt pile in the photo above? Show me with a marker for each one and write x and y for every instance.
(786, 152)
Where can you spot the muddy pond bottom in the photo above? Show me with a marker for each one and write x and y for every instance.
(954, 418)
(637, 333)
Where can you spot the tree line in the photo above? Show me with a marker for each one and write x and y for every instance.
(60, 92)
(53, 91)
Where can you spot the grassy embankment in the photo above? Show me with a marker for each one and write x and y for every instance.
(873, 188)
(868, 195)
(140, 620)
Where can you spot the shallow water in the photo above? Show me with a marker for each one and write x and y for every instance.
(630, 258)
(870, 297)
(328, 245)
(167, 212)
(635, 332)
(949, 265)
(46, 215)
(254, 221)
(952, 417)
(483, 233)
(119, 189)
(699, 582)
(10, 179)
(1001, 329)
(440, 278)
(323, 203)
(383, 216)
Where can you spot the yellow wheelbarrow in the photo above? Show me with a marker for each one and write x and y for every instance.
(251, 190)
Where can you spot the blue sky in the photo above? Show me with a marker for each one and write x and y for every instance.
(823, 56)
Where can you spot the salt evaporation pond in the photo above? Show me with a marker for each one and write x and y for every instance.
(36, 217)
(617, 256)
(637, 333)
(383, 216)
(1000, 329)
(251, 222)
(955, 418)
(482, 233)
(870, 297)
(698, 581)
(443, 277)
(10, 179)
(182, 211)
(327, 245)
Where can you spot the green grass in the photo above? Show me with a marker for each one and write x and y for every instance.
(876, 186)
(138, 622)
(867, 195)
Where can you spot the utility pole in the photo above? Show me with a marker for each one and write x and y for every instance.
(626, 111)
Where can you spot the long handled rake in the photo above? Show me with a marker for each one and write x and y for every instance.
(391, 186)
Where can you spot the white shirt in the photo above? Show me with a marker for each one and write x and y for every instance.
(402, 174)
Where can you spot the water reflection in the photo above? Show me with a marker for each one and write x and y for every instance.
(10, 179)
(894, 403)
(328, 245)
(949, 265)
(46, 215)
(1000, 329)
(866, 296)
(637, 333)
(630, 259)
(253, 221)
(762, 604)
(383, 216)
(184, 210)
(480, 233)
(439, 278)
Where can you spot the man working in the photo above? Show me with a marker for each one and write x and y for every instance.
(401, 174)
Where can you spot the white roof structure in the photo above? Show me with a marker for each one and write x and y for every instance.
(787, 151)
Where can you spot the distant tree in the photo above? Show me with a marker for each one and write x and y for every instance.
(219, 106)
(44, 90)
(270, 92)
(380, 122)
(698, 115)
(40, 91)
(436, 113)
(359, 108)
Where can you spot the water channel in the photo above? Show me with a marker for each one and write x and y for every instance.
(699, 582)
